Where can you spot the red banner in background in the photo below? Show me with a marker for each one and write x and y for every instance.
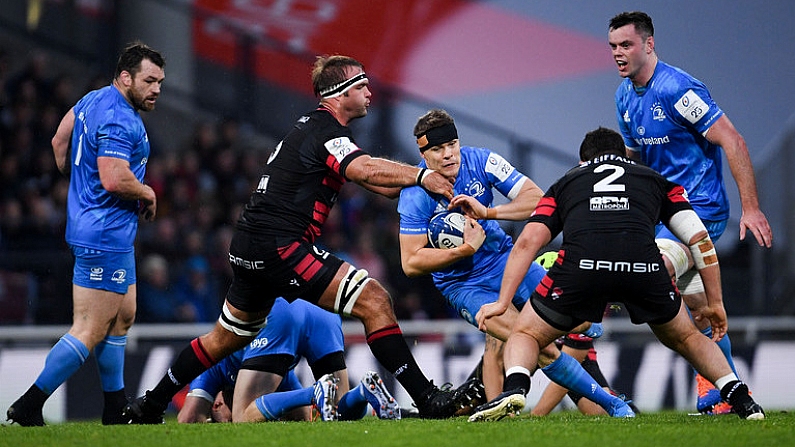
(431, 48)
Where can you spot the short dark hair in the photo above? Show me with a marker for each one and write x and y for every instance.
(600, 142)
(131, 57)
(330, 70)
(641, 20)
(430, 120)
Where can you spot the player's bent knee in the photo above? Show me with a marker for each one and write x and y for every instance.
(690, 284)
(548, 355)
(677, 254)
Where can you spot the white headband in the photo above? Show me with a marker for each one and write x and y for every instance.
(342, 87)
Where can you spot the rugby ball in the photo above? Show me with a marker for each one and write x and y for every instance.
(446, 230)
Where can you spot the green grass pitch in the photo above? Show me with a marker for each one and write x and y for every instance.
(560, 429)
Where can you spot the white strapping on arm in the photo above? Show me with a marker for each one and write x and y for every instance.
(686, 225)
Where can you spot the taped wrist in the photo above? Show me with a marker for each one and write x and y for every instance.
(423, 172)
(704, 254)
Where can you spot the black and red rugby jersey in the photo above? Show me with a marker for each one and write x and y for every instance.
(301, 179)
(610, 199)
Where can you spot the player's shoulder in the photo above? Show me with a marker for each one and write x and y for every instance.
(482, 159)
(671, 80)
(476, 153)
(323, 121)
(98, 101)
(411, 193)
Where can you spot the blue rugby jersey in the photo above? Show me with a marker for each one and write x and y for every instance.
(666, 122)
(105, 125)
(481, 172)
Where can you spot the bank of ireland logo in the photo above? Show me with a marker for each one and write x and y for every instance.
(119, 276)
(95, 274)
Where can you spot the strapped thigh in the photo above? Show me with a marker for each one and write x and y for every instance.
(349, 290)
(238, 326)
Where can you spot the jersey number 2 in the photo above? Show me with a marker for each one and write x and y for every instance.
(608, 184)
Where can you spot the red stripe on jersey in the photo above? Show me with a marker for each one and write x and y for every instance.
(308, 267)
(677, 194)
(201, 354)
(312, 233)
(546, 206)
(543, 286)
(579, 337)
(561, 255)
(285, 252)
(334, 181)
(333, 164)
(320, 213)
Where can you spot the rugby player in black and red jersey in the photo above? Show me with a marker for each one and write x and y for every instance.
(607, 209)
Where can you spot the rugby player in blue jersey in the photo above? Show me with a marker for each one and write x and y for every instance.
(265, 385)
(102, 145)
(670, 122)
(469, 275)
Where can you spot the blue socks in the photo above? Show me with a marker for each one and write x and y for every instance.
(274, 405)
(110, 359)
(568, 373)
(352, 405)
(66, 357)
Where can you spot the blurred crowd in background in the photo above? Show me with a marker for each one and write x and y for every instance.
(182, 266)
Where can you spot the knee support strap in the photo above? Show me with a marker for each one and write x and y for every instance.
(676, 255)
(238, 326)
(350, 289)
(690, 283)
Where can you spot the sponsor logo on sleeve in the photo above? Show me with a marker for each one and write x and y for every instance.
(340, 147)
(691, 107)
(499, 167)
